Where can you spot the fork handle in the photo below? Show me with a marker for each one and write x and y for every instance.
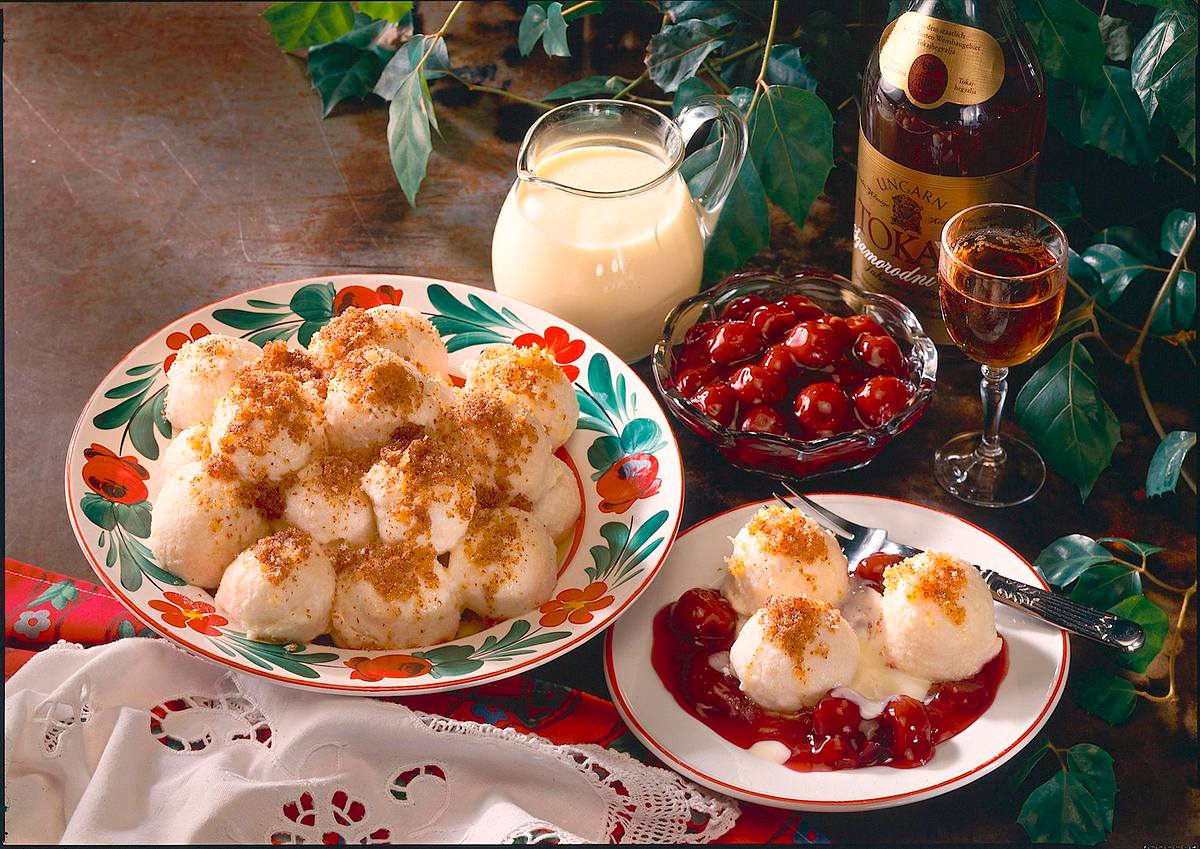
(1098, 625)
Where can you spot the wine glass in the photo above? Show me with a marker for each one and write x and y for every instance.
(1002, 273)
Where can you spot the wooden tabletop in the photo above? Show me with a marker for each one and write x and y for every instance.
(159, 157)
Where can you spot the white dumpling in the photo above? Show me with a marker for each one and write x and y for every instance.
(511, 450)
(327, 501)
(280, 590)
(267, 425)
(201, 522)
(422, 492)
(202, 372)
(558, 508)
(373, 392)
(399, 329)
(393, 597)
(531, 375)
(188, 446)
(506, 564)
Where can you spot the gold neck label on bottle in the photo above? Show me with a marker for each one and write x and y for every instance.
(898, 218)
(936, 61)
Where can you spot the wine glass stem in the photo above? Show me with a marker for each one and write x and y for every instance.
(992, 390)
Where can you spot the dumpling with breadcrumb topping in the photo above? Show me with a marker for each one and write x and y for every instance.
(326, 500)
(511, 450)
(422, 491)
(558, 507)
(506, 563)
(201, 373)
(531, 375)
(392, 597)
(203, 518)
(374, 391)
(402, 330)
(279, 590)
(189, 446)
(268, 425)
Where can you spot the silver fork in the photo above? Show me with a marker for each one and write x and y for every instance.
(858, 542)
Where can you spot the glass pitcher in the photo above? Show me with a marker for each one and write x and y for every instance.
(600, 228)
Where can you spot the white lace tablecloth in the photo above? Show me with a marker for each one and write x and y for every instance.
(136, 742)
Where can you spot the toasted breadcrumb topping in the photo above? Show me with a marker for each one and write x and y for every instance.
(792, 623)
(495, 544)
(789, 533)
(935, 577)
(350, 331)
(282, 553)
(268, 404)
(398, 573)
(528, 371)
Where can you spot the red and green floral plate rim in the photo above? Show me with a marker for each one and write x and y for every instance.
(623, 455)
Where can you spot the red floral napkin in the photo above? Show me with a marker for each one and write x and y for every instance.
(42, 607)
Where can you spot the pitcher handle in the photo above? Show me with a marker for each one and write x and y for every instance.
(734, 142)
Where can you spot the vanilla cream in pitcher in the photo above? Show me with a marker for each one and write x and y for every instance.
(600, 228)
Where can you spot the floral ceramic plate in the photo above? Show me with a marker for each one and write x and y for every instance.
(1038, 659)
(623, 454)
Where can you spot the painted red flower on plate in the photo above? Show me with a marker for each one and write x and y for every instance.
(113, 478)
(565, 349)
(179, 611)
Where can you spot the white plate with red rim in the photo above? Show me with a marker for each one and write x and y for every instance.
(623, 454)
(1039, 657)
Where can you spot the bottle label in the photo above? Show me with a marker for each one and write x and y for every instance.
(936, 61)
(898, 219)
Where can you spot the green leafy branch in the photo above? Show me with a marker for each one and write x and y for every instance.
(1076, 804)
(1093, 573)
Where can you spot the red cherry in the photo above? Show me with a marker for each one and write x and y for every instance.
(772, 321)
(718, 401)
(872, 567)
(837, 752)
(714, 693)
(801, 306)
(689, 381)
(734, 341)
(844, 334)
(763, 419)
(756, 385)
(849, 374)
(880, 353)
(779, 360)
(822, 410)
(814, 344)
(861, 324)
(692, 355)
(905, 728)
(700, 332)
(741, 307)
(704, 617)
(881, 398)
(834, 715)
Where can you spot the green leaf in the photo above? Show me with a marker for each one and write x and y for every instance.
(59, 595)
(715, 12)
(409, 139)
(600, 383)
(159, 408)
(1143, 549)
(1113, 120)
(642, 535)
(1176, 311)
(401, 65)
(478, 337)
(786, 66)
(1061, 202)
(131, 572)
(641, 436)
(270, 334)
(1136, 241)
(295, 25)
(135, 518)
(1064, 102)
(1162, 74)
(1067, 36)
(743, 228)
(131, 388)
(588, 87)
(1106, 695)
(386, 11)
(246, 320)
(604, 453)
(1093, 767)
(791, 142)
(142, 425)
(116, 416)
(1175, 229)
(831, 54)
(677, 51)
(1063, 810)
(448, 305)
(1082, 273)
(305, 334)
(1167, 462)
(1060, 407)
(1117, 35)
(1116, 267)
(1153, 621)
(98, 510)
(139, 370)
(1065, 559)
(110, 556)
(1105, 584)
(314, 302)
(1074, 319)
(544, 23)
(351, 65)
(689, 90)
(454, 668)
(1032, 757)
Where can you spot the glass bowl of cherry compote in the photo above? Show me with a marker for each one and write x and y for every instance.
(795, 376)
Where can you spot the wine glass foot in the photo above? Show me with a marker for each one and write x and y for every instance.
(1013, 479)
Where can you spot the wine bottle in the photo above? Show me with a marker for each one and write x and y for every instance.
(953, 114)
